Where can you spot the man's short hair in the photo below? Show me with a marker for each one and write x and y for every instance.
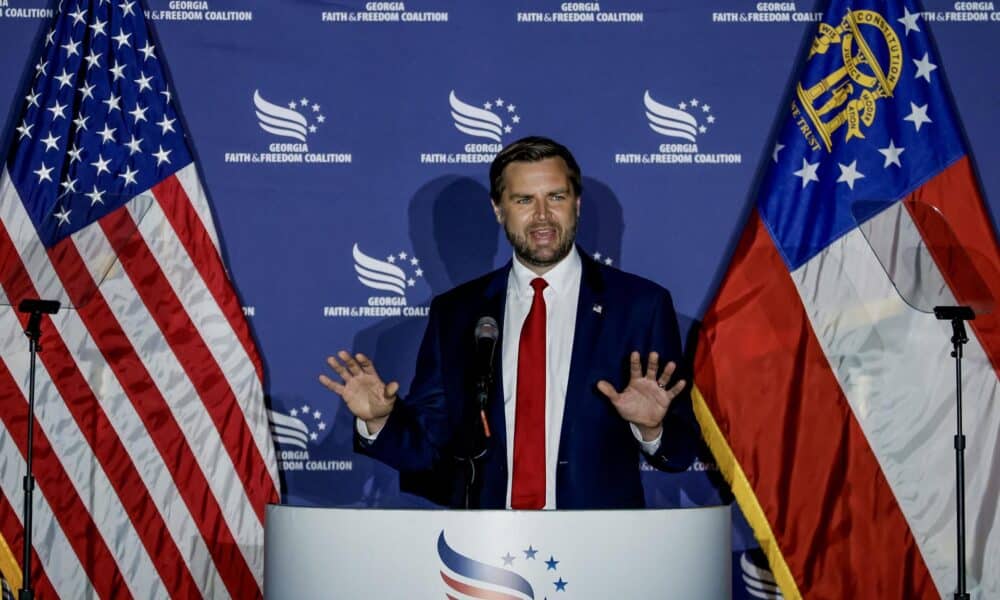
(531, 149)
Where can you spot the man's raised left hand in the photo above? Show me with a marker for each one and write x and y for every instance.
(644, 402)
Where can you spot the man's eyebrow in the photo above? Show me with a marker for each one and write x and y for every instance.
(559, 190)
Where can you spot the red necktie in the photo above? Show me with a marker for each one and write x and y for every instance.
(528, 486)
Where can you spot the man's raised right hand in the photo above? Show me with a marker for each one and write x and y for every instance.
(366, 395)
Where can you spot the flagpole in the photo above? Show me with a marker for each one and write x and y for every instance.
(35, 309)
(958, 315)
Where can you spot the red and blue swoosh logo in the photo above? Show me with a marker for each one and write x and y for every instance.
(470, 578)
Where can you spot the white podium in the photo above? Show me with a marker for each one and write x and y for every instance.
(325, 553)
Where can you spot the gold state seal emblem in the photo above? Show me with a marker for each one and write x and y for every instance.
(848, 95)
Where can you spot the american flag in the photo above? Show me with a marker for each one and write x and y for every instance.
(152, 453)
(825, 387)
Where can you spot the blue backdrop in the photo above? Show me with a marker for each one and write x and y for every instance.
(331, 134)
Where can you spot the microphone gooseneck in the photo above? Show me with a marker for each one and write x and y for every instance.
(487, 332)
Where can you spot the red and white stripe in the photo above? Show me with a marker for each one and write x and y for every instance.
(893, 364)
(150, 403)
(838, 400)
(67, 583)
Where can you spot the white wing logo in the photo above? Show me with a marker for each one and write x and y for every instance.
(760, 582)
(290, 431)
(378, 274)
(279, 120)
(669, 121)
(475, 121)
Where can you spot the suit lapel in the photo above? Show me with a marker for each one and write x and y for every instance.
(589, 322)
(494, 305)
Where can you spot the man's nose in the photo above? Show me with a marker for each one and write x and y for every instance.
(541, 210)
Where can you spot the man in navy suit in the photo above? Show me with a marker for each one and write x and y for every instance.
(572, 404)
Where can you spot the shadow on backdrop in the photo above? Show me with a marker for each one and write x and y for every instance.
(455, 236)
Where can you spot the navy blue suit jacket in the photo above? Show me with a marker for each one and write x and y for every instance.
(598, 464)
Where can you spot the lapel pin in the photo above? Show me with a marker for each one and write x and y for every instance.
(598, 308)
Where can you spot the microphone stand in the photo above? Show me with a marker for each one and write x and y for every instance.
(958, 315)
(35, 309)
(477, 443)
(477, 435)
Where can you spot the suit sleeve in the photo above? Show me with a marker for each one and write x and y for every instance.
(681, 439)
(418, 429)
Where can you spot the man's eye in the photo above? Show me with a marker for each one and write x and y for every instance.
(522, 200)
(559, 196)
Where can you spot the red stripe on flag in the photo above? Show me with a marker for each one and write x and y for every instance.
(193, 355)
(475, 592)
(70, 512)
(100, 435)
(16, 280)
(973, 272)
(177, 207)
(13, 532)
(776, 400)
(169, 440)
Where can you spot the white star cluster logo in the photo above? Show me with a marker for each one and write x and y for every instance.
(292, 121)
(299, 434)
(297, 428)
(690, 119)
(395, 274)
(392, 279)
(683, 124)
(495, 119)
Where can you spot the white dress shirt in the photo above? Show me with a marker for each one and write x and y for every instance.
(561, 297)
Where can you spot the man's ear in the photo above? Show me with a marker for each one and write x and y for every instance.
(496, 211)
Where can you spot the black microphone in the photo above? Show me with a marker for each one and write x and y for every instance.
(48, 307)
(487, 332)
(36, 308)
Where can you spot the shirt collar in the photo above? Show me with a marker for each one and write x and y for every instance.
(559, 277)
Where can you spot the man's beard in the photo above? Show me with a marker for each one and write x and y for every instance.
(525, 253)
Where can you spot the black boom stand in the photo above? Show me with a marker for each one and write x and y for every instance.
(958, 315)
(35, 309)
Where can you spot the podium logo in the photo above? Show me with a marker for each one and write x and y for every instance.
(492, 123)
(290, 127)
(683, 124)
(393, 278)
(519, 573)
(295, 434)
